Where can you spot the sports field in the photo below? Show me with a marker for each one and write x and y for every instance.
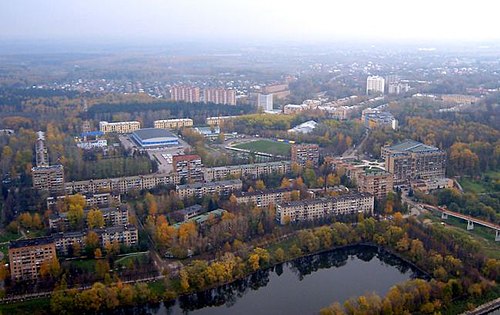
(266, 146)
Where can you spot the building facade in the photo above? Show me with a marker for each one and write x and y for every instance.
(316, 209)
(185, 94)
(27, 256)
(49, 179)
(247, 170)
(375, 182)
(198, 190)
(264, 198)
(218, 120)
(304, 153)
(220, 96)
(188, 167)
(119, 127)
(375, 85)
(410, 160)
(173, 123)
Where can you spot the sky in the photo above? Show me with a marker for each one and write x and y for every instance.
(308, 20)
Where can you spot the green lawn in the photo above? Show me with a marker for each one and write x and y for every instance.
(266, 146)
(8, 236)
(31, 307)
(85, 264)
(485, 185)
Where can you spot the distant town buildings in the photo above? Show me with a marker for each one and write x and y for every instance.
(305, 128)
(410, 160)
(264, 101)
(218, 120)
(280, 91)
(185, 94)
(375, 85)
(302, 154)
(119, 127)
(27, 256)
(173, 123)
(198, 190)
(321, 208)
(220, 96)
(188, 167)
(376, 118)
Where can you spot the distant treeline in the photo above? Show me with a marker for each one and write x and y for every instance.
(196, 111)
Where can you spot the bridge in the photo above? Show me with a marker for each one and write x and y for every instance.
(470, 220)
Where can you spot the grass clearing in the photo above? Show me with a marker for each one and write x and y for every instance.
(485, 185)
(266, 146)
(31, 307)
(85, 264)
(8, 236)
(483, 235)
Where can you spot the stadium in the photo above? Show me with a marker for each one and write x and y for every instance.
(154, 137)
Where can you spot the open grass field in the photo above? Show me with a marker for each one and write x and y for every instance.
(485, 236)
(266, 146)
(485, 185)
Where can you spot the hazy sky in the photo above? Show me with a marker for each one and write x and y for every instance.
(249, 19)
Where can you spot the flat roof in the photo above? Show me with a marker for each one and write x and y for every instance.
(38, 241)
(412, 146)
(148, 133)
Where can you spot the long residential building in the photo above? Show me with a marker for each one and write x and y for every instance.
(49, 178)
(97, 200)
(173, 123)
(122, 184)
(315, 209)
(127, 235)
(198, 190)
(264, 198)
(220, 96)
(112, 217)
(119, 127)
(218, 120)
(410, 160)
(27, 256)
(247, 170)
(186, 94)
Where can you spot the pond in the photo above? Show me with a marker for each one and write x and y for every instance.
(302, 286)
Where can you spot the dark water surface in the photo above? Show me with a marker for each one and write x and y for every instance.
(303, 286)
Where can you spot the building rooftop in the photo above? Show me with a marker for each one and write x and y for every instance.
(148, 133)
(348, 196)
(38, 241)
(210, 184)
(244, 166)
(412, 146)
(46, 168)
(261, 192)
(190, 210)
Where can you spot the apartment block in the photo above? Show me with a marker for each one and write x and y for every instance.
(188, 167)
(375, 84)
(376, 182)
(304, 153)
(220, 96)
(185, 94)
(98, 200)
(410, 160)
(27, 256)
(41, 152)
(198, 190)
(218, 120)
(121, 184)
(173, 123)
(112, 217)
(49, 178)
(187, 213)
(247, 170)
(264, 198)
(119, 127)
(315, 209)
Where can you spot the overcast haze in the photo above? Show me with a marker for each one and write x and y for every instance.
(249, 19)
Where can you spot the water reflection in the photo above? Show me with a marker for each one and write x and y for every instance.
(227, 296)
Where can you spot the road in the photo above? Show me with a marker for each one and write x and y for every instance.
(353, 152)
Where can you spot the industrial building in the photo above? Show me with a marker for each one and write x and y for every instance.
(154, 137)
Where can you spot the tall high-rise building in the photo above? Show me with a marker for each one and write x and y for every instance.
(304, 153)
(41, 152)
(185, 94)
(265, 101)
(220, 96)
(375, 85)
